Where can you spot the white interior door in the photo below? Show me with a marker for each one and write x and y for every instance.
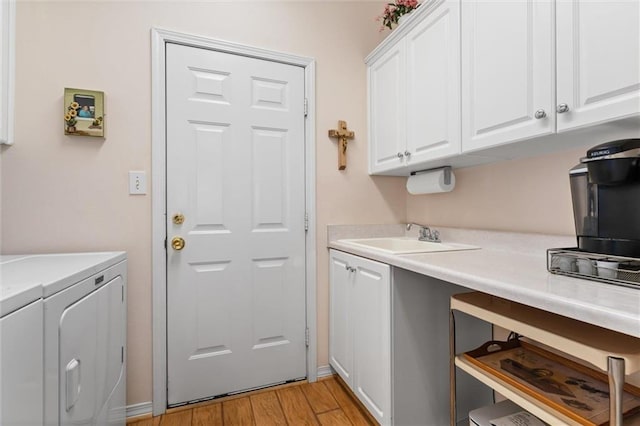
(235, 171)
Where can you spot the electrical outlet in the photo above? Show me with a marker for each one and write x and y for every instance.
(137, 183)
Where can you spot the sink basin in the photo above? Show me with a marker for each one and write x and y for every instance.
(399, 245)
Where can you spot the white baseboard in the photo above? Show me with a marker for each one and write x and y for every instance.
(324, 371)
(140, 409)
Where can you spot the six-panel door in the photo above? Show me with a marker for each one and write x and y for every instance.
(235, 172)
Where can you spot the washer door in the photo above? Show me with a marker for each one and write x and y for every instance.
(91, 342)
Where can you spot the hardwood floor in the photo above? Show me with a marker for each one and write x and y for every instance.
(326, 403)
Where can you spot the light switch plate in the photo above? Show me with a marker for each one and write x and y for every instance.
(137, 183)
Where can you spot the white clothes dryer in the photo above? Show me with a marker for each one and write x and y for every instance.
(84, 302)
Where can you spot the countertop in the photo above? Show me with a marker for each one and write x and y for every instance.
(511, 266)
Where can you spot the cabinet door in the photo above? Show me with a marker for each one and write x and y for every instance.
(341, 282)
(387, 104)
(507, 72)
(433, 78)
(372, 338)
(598, 60)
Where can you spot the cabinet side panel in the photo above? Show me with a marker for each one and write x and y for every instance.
(420, 339)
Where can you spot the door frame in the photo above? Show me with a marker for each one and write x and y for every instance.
(159, 40)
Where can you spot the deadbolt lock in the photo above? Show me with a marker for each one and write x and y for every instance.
(178, 218)
(177, 243)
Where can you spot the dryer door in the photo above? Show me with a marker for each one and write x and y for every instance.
(91, 342)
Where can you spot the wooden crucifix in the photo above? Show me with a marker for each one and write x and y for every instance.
(342, 134)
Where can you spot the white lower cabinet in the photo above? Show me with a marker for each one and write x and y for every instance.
(360, 337)
(389, 341)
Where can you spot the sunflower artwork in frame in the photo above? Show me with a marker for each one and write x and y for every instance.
(83, 112)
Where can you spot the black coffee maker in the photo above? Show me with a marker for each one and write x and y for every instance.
(605, 188)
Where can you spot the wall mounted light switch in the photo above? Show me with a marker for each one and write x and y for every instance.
(137, 183)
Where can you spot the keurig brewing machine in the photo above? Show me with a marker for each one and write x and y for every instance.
(605, 190)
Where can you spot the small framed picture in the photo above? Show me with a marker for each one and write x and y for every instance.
(83, 112)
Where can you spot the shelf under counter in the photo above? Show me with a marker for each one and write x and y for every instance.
(599, 347)
(525, 401)
(587, 342)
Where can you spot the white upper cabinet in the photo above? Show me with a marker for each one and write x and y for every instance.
(474, 81)
(507, 72)
(387, 105)
(433, 93)
(598, 57)
(518, 82)
(414, 91)
(7, 60)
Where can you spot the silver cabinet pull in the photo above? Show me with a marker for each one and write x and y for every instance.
(562, 108)
(540, 114)
(407, 154)
(400, 155)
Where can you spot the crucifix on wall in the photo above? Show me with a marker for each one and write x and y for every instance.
(343, 135)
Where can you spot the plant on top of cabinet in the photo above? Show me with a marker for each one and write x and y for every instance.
(394, 11)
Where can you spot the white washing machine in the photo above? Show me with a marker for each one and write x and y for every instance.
(84, 334)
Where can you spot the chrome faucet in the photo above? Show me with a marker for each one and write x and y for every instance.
(426, 234)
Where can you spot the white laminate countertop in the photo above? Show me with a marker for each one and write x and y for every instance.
(511, 266)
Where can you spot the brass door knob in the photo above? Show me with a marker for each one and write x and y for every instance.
(178, 218)
(177, 243)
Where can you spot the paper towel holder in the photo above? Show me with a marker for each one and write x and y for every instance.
(446, 169)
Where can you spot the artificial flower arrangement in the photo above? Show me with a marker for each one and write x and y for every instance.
(70, 116)
(393, 11)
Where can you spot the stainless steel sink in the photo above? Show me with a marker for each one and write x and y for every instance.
(400, 245)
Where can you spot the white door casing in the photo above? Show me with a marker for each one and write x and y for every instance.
(235, 170)
(598, 64)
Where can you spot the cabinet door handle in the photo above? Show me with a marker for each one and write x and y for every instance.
(540, 114)
(400, 155)
(562, 108)
(407, 154)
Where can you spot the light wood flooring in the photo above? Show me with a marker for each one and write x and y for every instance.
(326, 402)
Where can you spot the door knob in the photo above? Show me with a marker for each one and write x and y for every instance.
(178, 218)
(540, 114)
(562, 108)
(177, 243)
